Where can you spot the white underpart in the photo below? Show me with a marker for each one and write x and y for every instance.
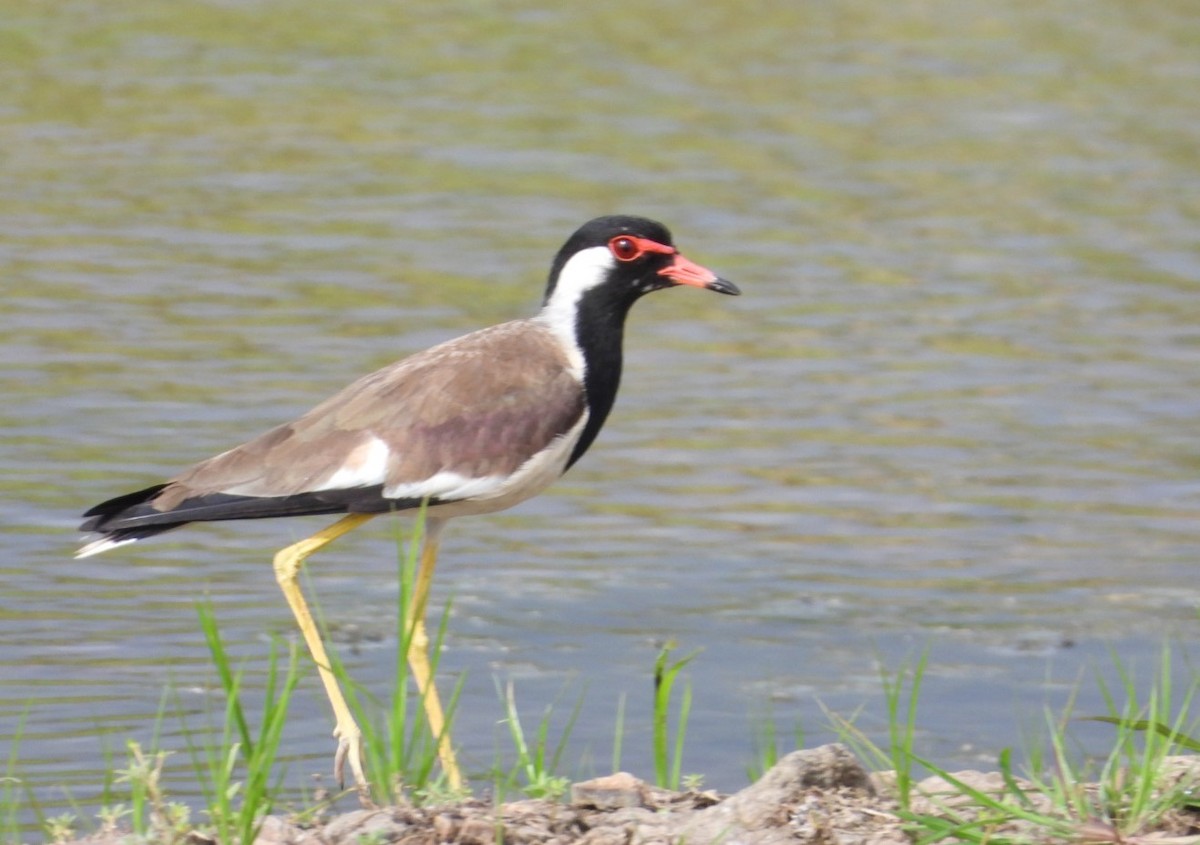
(496, 493)
(446, 485)
(586, 269)
(365, 466)
(97, 546)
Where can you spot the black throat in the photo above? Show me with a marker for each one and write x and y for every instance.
(599, 332)
(601, 309)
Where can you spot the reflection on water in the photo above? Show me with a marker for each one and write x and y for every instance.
(955, 409)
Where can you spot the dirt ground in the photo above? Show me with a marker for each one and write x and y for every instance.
(822, 796)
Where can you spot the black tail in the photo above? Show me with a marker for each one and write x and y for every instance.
(106, 518)
(133, 517)
(115, 509)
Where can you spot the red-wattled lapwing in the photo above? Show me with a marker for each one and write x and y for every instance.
(471, 426)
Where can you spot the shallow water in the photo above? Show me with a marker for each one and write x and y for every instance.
(955, 409)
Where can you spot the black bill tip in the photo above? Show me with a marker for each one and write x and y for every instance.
(724, 286)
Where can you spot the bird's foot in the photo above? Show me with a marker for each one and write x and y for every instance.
(350, 750)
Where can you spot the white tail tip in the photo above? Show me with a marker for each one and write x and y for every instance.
(102, 545)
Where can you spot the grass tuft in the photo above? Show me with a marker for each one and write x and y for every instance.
(902, 728)
(538, 763)
(239, 797)
(668, 762)
(1129, 796)
(765, 735)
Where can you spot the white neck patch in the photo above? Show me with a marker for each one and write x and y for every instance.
(586, 269)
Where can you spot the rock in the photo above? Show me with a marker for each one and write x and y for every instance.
(381, 825)
(609, 793)
(774, 809)
(274, 831)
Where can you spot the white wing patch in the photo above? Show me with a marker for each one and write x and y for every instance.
(365, 466)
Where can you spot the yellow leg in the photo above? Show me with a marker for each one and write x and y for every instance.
(287, 571)
(418, 654)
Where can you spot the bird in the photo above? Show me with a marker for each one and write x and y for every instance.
(470, 426)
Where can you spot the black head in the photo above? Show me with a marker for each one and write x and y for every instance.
(621, 258)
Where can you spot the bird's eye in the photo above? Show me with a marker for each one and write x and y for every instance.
(625, 248)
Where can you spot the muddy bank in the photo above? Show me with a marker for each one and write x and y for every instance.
(821, 795)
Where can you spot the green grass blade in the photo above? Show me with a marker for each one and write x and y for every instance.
(216, 648)
(619, 734)
(1010, 781)
(1169, 732)
(685, 710)
(664, 679)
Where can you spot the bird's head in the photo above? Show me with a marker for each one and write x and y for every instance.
(619, 259)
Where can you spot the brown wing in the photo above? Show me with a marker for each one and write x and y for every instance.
(476, 407)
